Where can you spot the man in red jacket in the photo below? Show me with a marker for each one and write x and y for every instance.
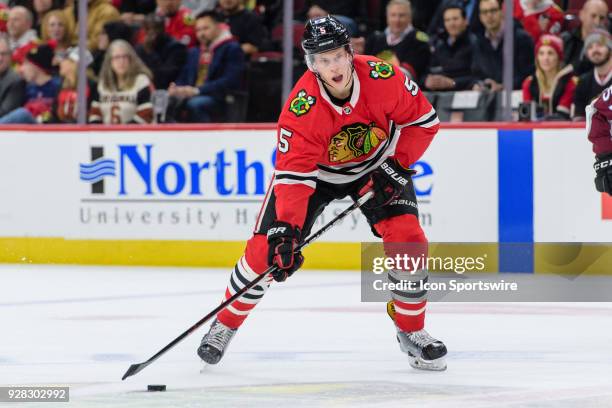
(352, 123)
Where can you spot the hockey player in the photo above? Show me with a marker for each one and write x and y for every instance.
(352, 123)
(599, 123)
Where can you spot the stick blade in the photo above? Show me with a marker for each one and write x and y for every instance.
(134, 369)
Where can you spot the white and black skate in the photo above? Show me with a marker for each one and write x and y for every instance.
(424, 352)
(214, 343)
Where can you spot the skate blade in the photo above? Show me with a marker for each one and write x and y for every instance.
(204, 367)
(438, 364)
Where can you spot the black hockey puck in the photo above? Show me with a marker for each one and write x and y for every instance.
(153, 387)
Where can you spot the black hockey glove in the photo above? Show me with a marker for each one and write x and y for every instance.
(603, 170)
(283, 238)
(387, 182)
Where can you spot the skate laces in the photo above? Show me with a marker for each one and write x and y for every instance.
(421, 338)
(219, 335)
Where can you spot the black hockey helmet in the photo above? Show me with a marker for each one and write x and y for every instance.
(323, 34)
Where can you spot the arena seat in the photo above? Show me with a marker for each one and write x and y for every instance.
(465, 106)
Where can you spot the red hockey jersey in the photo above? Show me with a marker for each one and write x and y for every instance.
(599, 122)
(387, 115)
(181, 27)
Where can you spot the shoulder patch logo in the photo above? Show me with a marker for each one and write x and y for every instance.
(354, 141)
(301, 104)
(380, 69)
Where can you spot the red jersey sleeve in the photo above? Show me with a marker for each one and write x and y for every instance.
(554, 21)
(527, 97)
(414, 117)
(599, 123)
(557, 18)
(181, 27)
(567, 98)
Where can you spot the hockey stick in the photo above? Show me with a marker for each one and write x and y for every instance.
(136, 368)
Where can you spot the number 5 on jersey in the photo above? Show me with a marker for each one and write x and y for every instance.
(411, 86)
(283, 142)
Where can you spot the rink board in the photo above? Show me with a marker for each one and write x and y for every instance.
(185, 196)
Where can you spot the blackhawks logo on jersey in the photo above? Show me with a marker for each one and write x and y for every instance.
(301, 104)
(380, 69)
(354, 141)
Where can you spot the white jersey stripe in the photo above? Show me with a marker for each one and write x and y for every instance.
(421, 119)
(430, 124)
(295, 173)
(426, 116)
(407, 312)
(309, 183)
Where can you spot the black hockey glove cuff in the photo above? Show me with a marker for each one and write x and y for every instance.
(283, 239)
(387, 182)
(603, 173)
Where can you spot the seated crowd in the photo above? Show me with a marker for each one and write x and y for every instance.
(177, 61)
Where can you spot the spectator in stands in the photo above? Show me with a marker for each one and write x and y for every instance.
(114, 30)
(124, 88)
(40, 10)
(488, 64)
(539, 17)
(57, 27)
(436, 25)
(212, 70)
(65, 106)
(451, 60)
(552, 87)
(593, 14)
(19, 27)
(41, 87)
(99, 12)
(12, 86)
(597, 48)
(179, 21)
(161, 53)
(348, 12)
(245, 25)
(401, 43)
(133, 12)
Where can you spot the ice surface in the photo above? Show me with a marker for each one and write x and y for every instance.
(309, 343)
